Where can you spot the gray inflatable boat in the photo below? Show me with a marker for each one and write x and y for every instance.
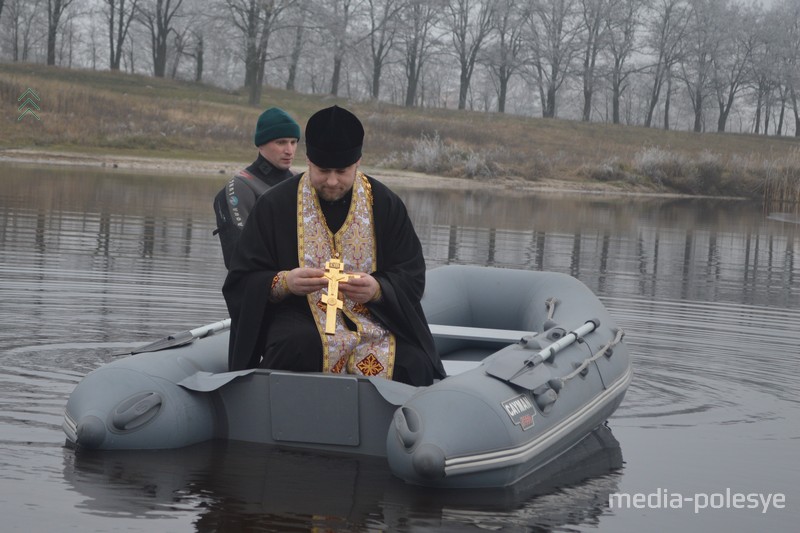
(534, 364)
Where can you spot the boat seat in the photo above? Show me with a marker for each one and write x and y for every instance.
(469, 354)
(474, 312)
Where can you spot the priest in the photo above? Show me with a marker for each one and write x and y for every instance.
(328, 273)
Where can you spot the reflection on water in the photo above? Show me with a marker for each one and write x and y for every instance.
(707, 291)
(241, 486)
(708, 250)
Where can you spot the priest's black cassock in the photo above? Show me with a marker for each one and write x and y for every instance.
(269, 244)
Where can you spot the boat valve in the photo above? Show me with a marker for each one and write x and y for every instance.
(556, 334)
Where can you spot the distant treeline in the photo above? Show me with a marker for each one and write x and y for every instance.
(699, 65)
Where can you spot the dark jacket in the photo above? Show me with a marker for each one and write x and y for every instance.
(233, 203)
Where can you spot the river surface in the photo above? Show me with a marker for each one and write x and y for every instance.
(707, 439)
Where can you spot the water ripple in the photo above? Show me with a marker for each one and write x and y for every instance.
(707, 360)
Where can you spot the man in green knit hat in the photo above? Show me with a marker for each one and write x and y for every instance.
(276, 137)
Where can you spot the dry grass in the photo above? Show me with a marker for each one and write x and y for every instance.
(135, 115)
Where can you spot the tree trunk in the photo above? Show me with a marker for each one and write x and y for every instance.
(722, 120)
(52, 32)
(198, 59)
(698, 111)
(759, 104)
(412, 77)
(462, 90)
(550, 103)
(160, 57)
(502, 92)
(587, 104)
(667, 100)
(411, 89)
(296, 50)
(337, 73)
(655, 94)
(377, 70)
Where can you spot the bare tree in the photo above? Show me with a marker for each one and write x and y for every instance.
(789, 30)
(21, 15)
(298, 14)
(69, 35)
(701, 44)
(418, 22)
(666, 29)
(55, 10)
(764, 67)
(198, 54)
(730, 65)
(383, 15)
(158, 17)
(256, 20)
(554, 30)
(621, 27)
(503, 54)
(469, 22)
(594, 14)
(297, 49)
(119, 16)
(340, 18)
(181, 41)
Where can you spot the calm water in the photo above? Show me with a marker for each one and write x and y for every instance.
(708, 292)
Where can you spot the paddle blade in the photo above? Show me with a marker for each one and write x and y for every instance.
(173, 341)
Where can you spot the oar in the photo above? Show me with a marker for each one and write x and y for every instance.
(548, 351)
(181, 339)
(532, 373)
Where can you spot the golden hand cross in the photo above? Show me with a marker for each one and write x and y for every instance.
(333, 271)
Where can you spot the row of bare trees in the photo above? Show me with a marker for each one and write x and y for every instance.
(650, 62)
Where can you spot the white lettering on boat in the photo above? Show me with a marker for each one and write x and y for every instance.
(520, 409)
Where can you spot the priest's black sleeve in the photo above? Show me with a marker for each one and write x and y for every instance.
(268, 235)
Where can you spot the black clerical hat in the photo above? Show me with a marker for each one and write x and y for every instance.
(334, 137)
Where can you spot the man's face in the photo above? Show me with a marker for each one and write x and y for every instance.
(332, 183)
(279, 152)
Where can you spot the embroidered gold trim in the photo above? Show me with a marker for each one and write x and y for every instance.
(355, 242)
(279, 288)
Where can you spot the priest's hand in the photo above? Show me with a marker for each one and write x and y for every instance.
(362, 289)
(303, 280)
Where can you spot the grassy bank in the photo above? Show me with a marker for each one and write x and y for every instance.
(120, 114)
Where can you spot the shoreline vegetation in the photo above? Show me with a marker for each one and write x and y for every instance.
(119, 120)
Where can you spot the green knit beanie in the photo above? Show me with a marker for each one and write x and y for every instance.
(275, 123)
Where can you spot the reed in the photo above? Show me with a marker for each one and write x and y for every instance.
(782, 184)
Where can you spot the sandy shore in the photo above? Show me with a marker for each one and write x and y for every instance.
(391, 177)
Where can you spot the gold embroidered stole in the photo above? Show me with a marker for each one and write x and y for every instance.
(369, 350)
